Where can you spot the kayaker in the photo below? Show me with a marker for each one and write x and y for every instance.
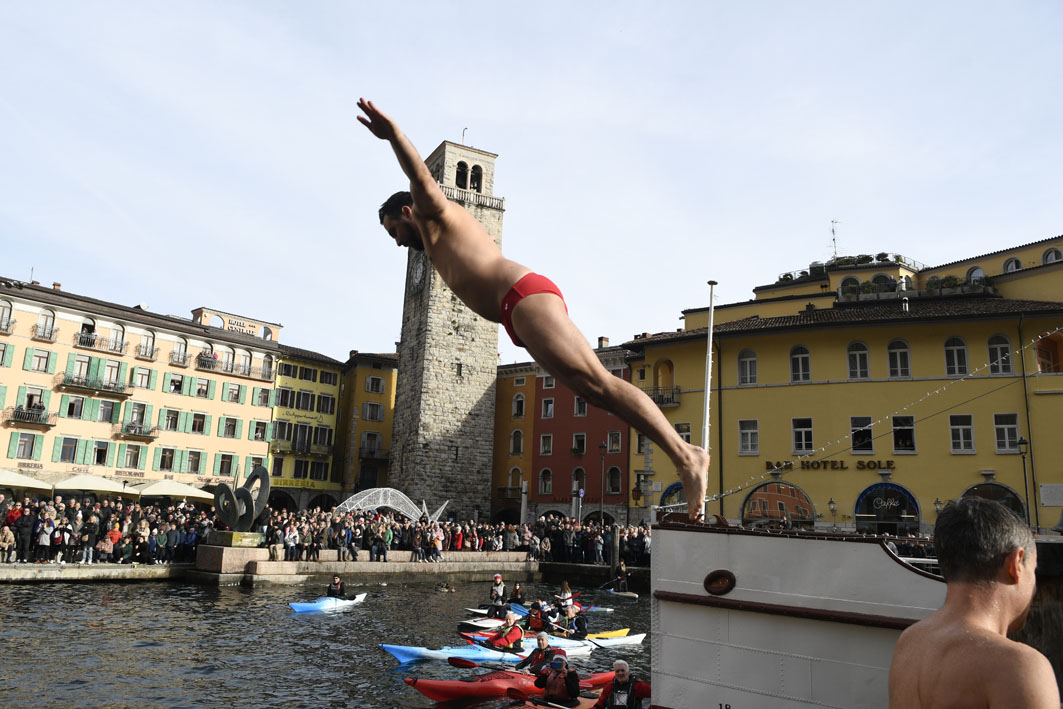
(337, 589)
(575, 624)
(622, 575)
(566, 596)
(517, 596)
(624, 692)
(498, 599)
(538, 661)
(534, 621)
(508, 635)
(561, 683)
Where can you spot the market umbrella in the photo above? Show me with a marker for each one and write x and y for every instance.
(18, 481)
(94, 483)
(171, 488)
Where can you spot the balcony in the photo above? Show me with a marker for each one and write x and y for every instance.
(85, 339)
(94, 341)
(372, 453)
(138, 431)
(32, 416)
(208, 362)
(6, 326)
(147, 352)
(279, 445)
(44, 333)
(179, 359)
(320, 450)
(509, 493)
(663, 396)
(97, 385)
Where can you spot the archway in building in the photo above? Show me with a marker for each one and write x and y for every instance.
(663, 374)
(325, 502)
(673, 495)
(593, 517)
(779, 505)
(998, 493)
(886, 508)
(555, 514)
(509, 515)
(281, 500)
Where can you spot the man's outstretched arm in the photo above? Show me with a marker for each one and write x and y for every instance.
(427, 196)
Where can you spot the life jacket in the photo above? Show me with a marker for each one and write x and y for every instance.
(511, 638)
(535, 621)
(556, 689)
(623, 696)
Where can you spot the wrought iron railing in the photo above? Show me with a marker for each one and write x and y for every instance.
(179, 359)
(147, 352)
(372, 453)
(32, 416)
(663, 396)
(509, 493)
(135, 430)
(75, 381)
(85, 339)
(320, 449)
(207, 361)
(115, 346)
(46, 333)
(6, 326)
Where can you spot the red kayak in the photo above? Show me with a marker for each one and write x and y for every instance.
(490, 684)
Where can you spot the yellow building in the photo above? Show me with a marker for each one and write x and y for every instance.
(368, 407)
(865, 394)
(89, 386)
(305, 415)
(514, 437)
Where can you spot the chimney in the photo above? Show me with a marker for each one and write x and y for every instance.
(35, 283)
(810, 307)
(904, 304)
(353, 353)
(56, 285)
(603, 342)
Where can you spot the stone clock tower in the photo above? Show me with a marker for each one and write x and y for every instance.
(448, 357)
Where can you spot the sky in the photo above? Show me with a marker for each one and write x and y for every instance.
(208, 153)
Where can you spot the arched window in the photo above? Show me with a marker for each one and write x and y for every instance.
(147, 345)
(243, 362)
(216, 321)
(476, 183)
(778, 505)
(516, 443)
(998, 493)
(579, 480)
(886, 508)
(1052, 255)
(800, 364)
(908, 283)
(45, 327)
(515, 478)
(976, 276)
(747, 367)
(999, 355)
(267, 333)
(849, 286)
(1012, 265)
(546, 482)
(883, 283)
(5, 316)
(518, 406)
(225, 358)
(612, 481)
(955, 357)
(858, 361)
(86, 337)
(117, 342)
(899, 360)
(267, 367)
(461, 178)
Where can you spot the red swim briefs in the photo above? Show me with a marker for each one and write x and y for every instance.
(530, 284)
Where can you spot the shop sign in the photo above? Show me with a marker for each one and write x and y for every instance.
(277, 482)
(240, 326)
(829, 465)
(129, 473)
(80, 469)
(32, 466)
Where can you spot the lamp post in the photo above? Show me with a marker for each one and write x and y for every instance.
(601, 497)
(938, 505)
(833, 507)
(1022, 443)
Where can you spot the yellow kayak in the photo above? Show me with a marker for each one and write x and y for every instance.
(619, 633)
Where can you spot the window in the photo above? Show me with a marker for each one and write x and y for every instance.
(613, 445)
(282, 430)
(516, 443)
(1012, 265)
(307, 374)
(518, 406)
(683, 429)
(304, 401)
(329, 378)
(255, 463)
(262, 397)
(546, 444)
(170, 419)
(747, 367)
(322, 436)
(999, 355)
(518, 382)
(24, 449)
(45, 325)
(800, 364)
(548, 408)
(225, 465)
(579, 443)
(137, 411)
(99, 453)
(1006, 427)
(612, 478)
(166, 459)
(285, 398)
(141, 377)
(849, 286)
(802, 434)
(5, 315)
(904, 434)
(318, 470)
(229, 428)
(302, 468)
(897, 354)
(955, 357)
(75, 407)
(461, 176)
(81, 367)
(232, 393)
(863, 440)
(111, 371)
(117, 342)
(203, 388)
(40, 360)
(640, 444)
(372, 411)
(858, 361)
(374, 385)
(107, 409)
(1050, 256)
(68, 451)
(260, 430)
(546, 483)
(4, 348)
(326, 404)
(642, 374)
(580, 408)
(287, 370)
(278, 467)
(177, 383)
(194, 462)
(748, 437)
(132, 457)
(199, 423)
(34, 398)
(961, 433)
(548, 382)
(976, 276)
(457, 368)
(579, 480)
(477, 179)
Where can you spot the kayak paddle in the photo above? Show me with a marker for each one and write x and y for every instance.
(514, 693)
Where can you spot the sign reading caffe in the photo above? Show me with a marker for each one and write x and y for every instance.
(829, 465)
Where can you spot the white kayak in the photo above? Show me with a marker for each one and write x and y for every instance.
(623, 594)
(481, 623)
(327, 604)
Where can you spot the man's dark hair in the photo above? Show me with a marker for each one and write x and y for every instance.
(973, 536)
(394, 204)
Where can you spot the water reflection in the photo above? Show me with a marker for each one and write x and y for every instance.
(181, 645)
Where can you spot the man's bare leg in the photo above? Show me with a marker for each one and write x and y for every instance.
(542, 323)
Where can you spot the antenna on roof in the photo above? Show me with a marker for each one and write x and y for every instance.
(834, 236)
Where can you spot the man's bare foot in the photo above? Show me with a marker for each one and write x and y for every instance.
(695, 476)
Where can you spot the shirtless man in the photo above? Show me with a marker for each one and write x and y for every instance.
(528, 305)
(960, 656)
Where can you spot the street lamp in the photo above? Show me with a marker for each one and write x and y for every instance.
(833, 507)
(1022, 443)
(938, 505)
(601, 497)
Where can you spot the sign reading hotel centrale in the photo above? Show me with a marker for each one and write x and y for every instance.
(240, 326)
(830, 465)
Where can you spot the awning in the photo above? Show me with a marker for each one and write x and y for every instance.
(94, 483)
(172, 488)
(18, 481)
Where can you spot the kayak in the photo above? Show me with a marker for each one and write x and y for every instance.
(491, 684)
(520, 610)
(482, 624)
(327, 604)
(624, 594)
(530, 634)
(409, 653)
(586, 700)
(567, 644)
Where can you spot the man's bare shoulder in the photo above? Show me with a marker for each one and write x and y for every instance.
(1022, 677)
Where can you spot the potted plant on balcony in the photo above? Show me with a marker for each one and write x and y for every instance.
(951, 285)
(882, 257)
(863, 258)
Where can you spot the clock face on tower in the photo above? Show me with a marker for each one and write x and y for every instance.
(417, 272)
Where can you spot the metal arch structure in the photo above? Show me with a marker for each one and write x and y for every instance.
(391, 498)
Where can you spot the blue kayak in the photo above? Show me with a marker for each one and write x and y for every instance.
(521, 610)
(409, 653)
(327, 604)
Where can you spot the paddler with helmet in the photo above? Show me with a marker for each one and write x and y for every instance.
(538, 660)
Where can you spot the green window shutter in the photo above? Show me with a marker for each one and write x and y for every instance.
(53, 357)
(9, 354)
(147, 414)
(243, 393)
(81, 452)
(189, 387)
(70, 360)
(123, 372)
(158, 457)
(92, 409)
(46, 398)
(128, 412)
(162, 418)
(64, 401)
(269, 433)
(116, 414)
(121, 454)
(239, 427)
(272, 397)
(184, 422)
(247, 465)
(27, 361)
(221, 425)
(254, 395)
(3, 396)
(21, 400)
(206, 424)
(210, 389)
(143, 460)
(165, 382)
(110, 454)
(57, 449)
(12, 446)
(217, 463)
(251, 430)
(181, 461)
(152, 377)
(94, 367)
(38, 445)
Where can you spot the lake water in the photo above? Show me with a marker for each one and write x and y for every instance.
(183, 645)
